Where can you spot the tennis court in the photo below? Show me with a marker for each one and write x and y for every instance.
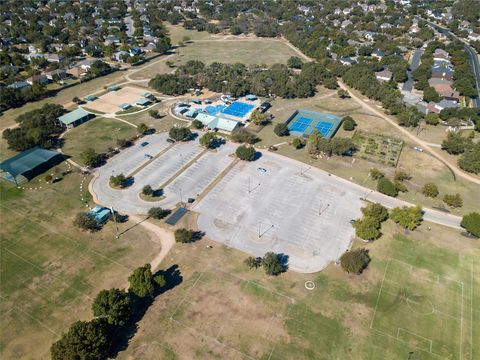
(304, 123)
(238, 109)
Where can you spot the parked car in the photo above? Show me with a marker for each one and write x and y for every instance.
(262, 169)
(143, 144)
(272, 148)
(148, 156)
(171, 141)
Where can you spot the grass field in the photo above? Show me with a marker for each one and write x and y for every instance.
(222, 310)
(178, 32)
(50, 271)
(99, 134)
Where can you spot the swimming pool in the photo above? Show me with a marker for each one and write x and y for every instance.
(214, 109)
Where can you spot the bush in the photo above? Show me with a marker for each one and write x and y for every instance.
(407, 217)
(142, 128)
(386, 187)
(281, 129)
(86, 221)
(272, 264)
(91, 158)
(123, 143)
(367, 228)
(355, 261)
(432, 119)
(158, 213)
(244, 136)
(376, 174)
(180, 133)
(376, 211)
(348, 123)
(454, 201)
(253, 262)
(209, 140)
(246, 153)
(297, 143)
(154, 114)
(48, 178)
(197, 124)
(430, 190)
(400, 186)
(471, 223)
(401, 176)
(184, 236)
(147, 190)
(119, 180)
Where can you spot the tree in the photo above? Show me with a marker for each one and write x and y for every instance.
(454, 201)
(142, 128)
(119, 180)
(184, 236)
(180, 133)
(147, 190)
(376, 211)
(281, 129)
(197, 124)
(432, 119)
(77, 100)
(430, 190)
(246, 153)
(367, 228)
(471, 223)
(470, 160)
(375, 174)
(294, 62)
(209, 140)
(355, 261)
(455, 143)
(141, 281)
(386, 187)
(244, 136)
(343, 94)
(158, 213)
(114, 305)
(253, 262)
(430, 94)
(407, 217)
(297, 143)
(154, 114)
(272, 264)
(86, 221)
(401, 175)
(91, 158)
(258, 118)
(348, 123)
(87, 340)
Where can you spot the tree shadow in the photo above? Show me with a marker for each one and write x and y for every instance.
(257, 156)
(197, 235)
(123, 334)
(283, 259)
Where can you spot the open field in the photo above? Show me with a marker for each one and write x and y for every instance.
(99, 134)
(222, 310)
(178, 32)
(111, 101)
(50, 271)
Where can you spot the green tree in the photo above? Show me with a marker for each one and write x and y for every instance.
(386, 187)
(180, 133)
(209, 140)
(470, 160)
(184, 236)
(147, 190)
(86, 340)
(91, 158)
(297, 143)
(294, 62)
(118, 180)
(455, 143)
(246, 153)
(432, 119)
(114, 305)
(258, 118)
(430, 190)
(243, 136)
(454, 201)
(272, 264)
(407, 217)
(158, 213)
(154, 114)
(376, 174)
(141, 281)
(343, 94)
(86, 221)
(401, 175)
(471, 223)
(197, 124)
(367, 228)
(430, 94)
(348, 123)
(376, 211)
(281, 129)
(355, 261)
(142, 128)
(253, 262)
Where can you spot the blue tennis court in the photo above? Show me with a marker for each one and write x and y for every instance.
(304, 123)
(238, 109)
(214, 109)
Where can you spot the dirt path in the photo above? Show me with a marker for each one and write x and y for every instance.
(425, 145)
(164, 236)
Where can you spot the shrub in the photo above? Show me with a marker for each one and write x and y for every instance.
(147, 190)
(281, 129)
(197, 124)
(400, 186)
(401, 176)
(367, 228)
(158, 213)
(386, 187)
(348, 123)
(209, 140)
(376, 174)
(118, 180)
(142, 128)
(246, 153)
(154, 114)
(91, 158)
(355, 261)
(454, 201)
(376, 211)
(184, 236)
(432, 119)
(430, 190)
(253, 262)
(407, 217)
(243, 136)
(297, 143)
(471, 223)
(86, 221)
(48, 178)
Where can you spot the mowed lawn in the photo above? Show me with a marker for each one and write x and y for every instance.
(223, 310)
(251, 51)
(99, 134)
(50, 271)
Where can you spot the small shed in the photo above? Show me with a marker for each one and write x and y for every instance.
(100, 213)
(113, 87)
(75, 118)
(90, 98)
(125, 106)
(251, 97)
(143, 102)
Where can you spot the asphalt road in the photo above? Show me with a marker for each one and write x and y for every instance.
(408, 85)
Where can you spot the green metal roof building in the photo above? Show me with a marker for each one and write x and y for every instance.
(28, 164)
(75, 118)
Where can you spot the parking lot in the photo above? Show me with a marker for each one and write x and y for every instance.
(272, 204)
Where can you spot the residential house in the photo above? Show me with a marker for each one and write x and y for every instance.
(446, 104)
(76, 72)
(378, 54)
(86, 64)
(41, 79)
(56, 75)
(120, 55)
(18, 85)
(384, 75)
(474, 37)
(347, 61)
(53, 57)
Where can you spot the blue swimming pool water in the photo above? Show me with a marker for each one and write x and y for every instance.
(238, 109)
(214, 109)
